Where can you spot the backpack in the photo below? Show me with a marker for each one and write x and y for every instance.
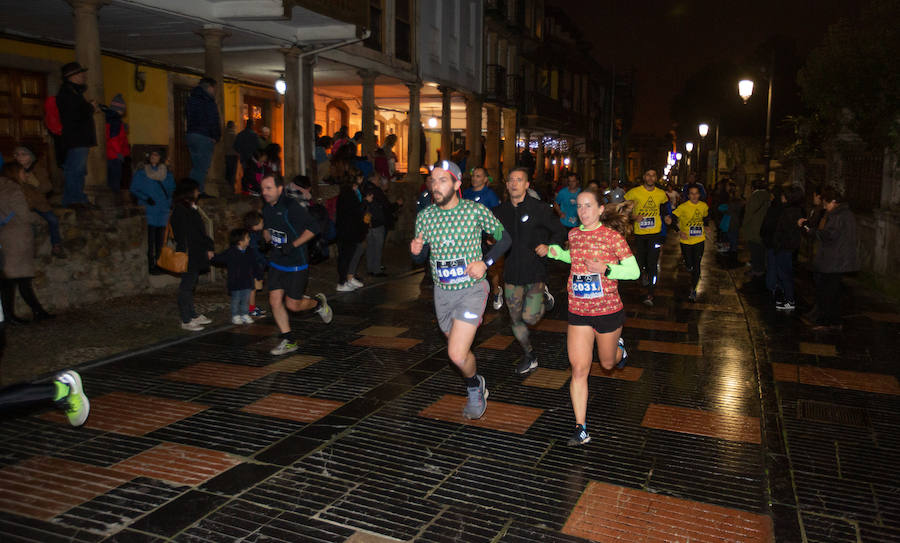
(51, 116)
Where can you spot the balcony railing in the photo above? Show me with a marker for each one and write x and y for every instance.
(513, 89)
(494, 83)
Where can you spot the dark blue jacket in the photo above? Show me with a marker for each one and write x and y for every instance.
(203, 114)
(241, 266)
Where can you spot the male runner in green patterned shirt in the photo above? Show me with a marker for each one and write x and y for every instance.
(452, 228)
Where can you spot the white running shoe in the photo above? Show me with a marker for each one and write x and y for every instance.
(498, 299)
(355, 282)
(324, 309)
(345, 287)
(237, 320)
(192, 326)
(201, 319)
(246, 319)
(284, 347)
(76, 404)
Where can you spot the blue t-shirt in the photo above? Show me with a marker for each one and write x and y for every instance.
(485, 196)
(567, 201)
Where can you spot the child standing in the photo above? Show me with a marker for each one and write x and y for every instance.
(253, 223)
(241, 266)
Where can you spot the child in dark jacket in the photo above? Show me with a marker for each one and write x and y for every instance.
(253, 222)
(242, 267)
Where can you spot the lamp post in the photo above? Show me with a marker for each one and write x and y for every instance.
(703, 130)
(745, 90)
(689, 146)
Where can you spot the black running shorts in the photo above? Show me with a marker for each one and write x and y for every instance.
(292, 283)
(602, 324)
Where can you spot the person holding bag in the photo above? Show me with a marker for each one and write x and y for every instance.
(190, 237)
(153, 186)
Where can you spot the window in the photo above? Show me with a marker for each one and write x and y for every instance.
(376, 26)
(403, 31)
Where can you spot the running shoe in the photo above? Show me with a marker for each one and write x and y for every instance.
(692, 297)
(237, 320)
(648, 301)
(527, 363)
(580, 437)
(201, 319)
(75, 404)
(258, 312)
(285, 347)
(549, 300)
(345, 287)
(645, 279)
(622, 362)
(324, 310)
(246, 319)
(192, 326)
(476, 402)
(355, 282)
(498, 299)
(785, 306)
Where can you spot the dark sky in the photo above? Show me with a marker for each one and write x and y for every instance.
(666, 41)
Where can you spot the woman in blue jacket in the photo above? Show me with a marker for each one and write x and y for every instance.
(153, 186)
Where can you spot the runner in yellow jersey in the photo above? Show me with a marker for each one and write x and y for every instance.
(648, 200)
(691, 218)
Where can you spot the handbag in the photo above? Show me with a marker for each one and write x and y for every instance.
(170, 259)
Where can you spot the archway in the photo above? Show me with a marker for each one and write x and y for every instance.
(337, 114)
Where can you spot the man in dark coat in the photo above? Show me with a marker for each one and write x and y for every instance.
(78, 135)
(204, 129)
(245, 144)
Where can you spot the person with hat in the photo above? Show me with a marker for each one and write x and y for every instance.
(78, 135)
(153, 186)
(451, 227)
(117, 146)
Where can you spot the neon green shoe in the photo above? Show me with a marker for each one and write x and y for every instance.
(76, 404)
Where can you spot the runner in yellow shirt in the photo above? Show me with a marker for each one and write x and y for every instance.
(648, 200)
(691, 217)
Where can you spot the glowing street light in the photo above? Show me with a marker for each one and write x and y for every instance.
(745, 89)
(566, 161)
(689, 146)
(703, 129)
(281, 85)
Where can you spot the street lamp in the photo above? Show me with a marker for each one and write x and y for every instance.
(745, 89)
(281, 85)
(689, 146)
(703, 129)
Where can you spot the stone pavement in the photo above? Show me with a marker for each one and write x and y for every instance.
(358, 436)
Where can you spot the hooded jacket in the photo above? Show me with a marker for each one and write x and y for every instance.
(837, 242)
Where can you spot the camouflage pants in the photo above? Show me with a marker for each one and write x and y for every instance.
(526, 307)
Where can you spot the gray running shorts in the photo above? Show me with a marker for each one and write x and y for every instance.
(465, 305)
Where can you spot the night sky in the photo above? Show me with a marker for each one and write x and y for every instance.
(666, 41)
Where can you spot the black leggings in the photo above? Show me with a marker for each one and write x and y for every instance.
(646, 251)
(24, 395)
(692, 255)
(8, 293)
(155, 239)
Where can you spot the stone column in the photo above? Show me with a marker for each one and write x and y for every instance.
(413, 135)
(473, 131)
(212, 65)
(87, 53)
(307, 121)
(446, 120)
(510, 133)
(368, 111)
(492, 141)
(539, 161)
(291, 151)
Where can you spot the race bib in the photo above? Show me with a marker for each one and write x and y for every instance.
(587, 286)
(695, 231)
(278, 237)
(647, 222)
(452, 271)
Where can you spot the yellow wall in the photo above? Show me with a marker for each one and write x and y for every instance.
(147, 112)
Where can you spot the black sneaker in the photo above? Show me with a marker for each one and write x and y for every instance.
(527, 363)
(549, 300)
(621, 363)
(580, 437)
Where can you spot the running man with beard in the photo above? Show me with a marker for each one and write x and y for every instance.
(451, 227)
